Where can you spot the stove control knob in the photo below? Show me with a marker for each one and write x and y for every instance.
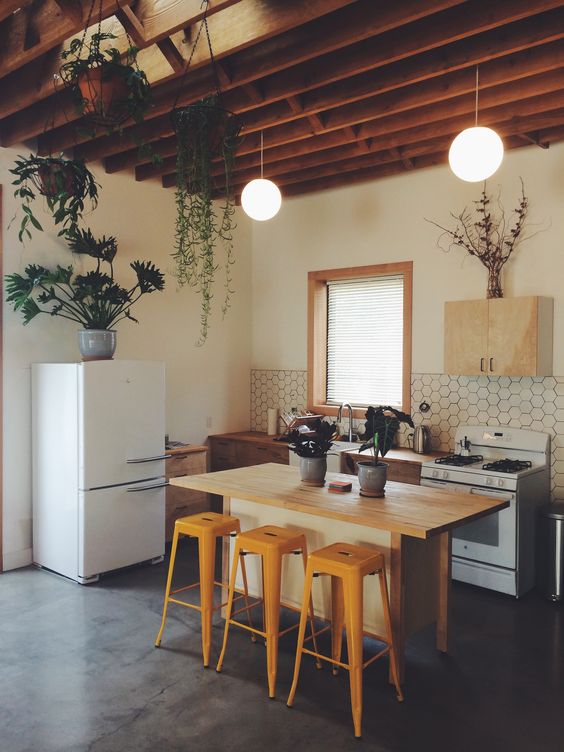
(489, 481)
(435, 473)
(445, 474)
(501, 482)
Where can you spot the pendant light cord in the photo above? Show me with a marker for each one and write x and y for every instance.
(477, 68)
(261, 149)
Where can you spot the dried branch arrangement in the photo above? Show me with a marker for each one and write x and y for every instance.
(487, 234)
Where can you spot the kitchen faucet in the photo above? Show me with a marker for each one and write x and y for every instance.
(340, 415)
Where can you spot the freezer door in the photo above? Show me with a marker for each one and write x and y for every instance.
(121, 422)
(120, 526)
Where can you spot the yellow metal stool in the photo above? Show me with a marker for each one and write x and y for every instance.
(206, 527)
(271, 543)
(347, 566)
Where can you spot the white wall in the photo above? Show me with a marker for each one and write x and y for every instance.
(383, 222)
(207, 387)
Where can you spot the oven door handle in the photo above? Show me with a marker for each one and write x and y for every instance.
(487, 491)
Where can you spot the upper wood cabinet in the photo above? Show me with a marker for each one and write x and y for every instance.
(499, 337)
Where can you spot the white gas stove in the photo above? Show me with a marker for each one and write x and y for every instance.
(497, 551)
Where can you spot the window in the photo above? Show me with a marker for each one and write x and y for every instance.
(360, 337)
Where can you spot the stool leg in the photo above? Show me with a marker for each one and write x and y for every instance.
(206, 551)
(311, 612)
(246, 596)
(389, 633)
(232, 579)
(168, 584)
(354, 624)
(337, 620)
(301, 632)
(273, 574)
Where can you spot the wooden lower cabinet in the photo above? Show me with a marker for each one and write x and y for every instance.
(180, 502)
(400, 471)
(244, 449)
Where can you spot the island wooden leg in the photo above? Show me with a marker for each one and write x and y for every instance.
(443, 606)
(397, 600)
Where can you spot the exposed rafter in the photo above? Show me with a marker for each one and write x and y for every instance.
(342, 90)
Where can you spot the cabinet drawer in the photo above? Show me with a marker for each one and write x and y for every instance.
(224, 448)
(404, 472)
(181, 502)
(186, 464)
(258, 454)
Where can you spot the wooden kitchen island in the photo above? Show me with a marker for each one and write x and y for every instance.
(411, 525)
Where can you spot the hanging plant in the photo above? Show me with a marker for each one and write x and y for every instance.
(205, 131)
(65, 184)
(108, 86)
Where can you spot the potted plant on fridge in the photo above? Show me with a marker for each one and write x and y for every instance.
(312, 448)
(93, 299)
(109, 87)
(381, 426)
(66, 185)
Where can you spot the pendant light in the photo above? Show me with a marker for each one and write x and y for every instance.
(476, 153)
(261, 198)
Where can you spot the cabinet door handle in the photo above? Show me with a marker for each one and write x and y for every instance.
(482, 364)
(491, 365)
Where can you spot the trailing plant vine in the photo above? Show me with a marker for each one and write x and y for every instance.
(204, 131)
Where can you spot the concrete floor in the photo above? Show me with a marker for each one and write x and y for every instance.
(78, 672)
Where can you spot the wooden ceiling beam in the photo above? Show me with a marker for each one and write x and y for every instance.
(533, 138)
(132, 25)
(7, 7)
(72, 9)
(458, 28)
(52, 27)
(233, 38)
(172, 54)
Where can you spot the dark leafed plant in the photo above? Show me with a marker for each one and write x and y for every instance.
(205, 131)
(382, 424)
(66, 185)
(487, 234)
(108, 86)
(315, 444)
(93, 299)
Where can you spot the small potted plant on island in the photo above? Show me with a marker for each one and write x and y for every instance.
(93, 299)
(381, 427)
(312, 448)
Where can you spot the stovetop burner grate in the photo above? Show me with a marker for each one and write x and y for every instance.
(507, 466)
(459, 460)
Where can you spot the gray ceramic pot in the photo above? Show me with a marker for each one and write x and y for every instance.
(372, 478)
(97, 344)
(312, 470)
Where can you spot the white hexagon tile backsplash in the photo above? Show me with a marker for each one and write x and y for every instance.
(522, 402)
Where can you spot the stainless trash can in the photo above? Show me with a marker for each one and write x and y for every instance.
(550, 551)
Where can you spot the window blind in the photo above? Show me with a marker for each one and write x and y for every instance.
(365, 341)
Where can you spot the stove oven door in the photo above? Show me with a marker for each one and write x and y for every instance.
(491, 539)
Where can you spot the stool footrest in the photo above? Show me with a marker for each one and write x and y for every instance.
(245, 608)
(385, 651)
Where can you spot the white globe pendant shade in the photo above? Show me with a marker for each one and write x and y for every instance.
(261, 199)
(475, 154)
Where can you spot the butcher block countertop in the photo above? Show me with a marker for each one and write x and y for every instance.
(415, 511)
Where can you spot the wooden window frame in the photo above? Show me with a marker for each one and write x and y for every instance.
(317, 331)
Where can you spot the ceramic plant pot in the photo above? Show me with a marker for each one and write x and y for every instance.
(312, 470)
(97, 344)
(104, 96)
(372, 478)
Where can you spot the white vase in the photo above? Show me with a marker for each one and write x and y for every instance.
(312, 470)
(372, 478)
(97, 344)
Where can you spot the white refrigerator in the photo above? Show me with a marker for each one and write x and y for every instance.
(98, 433)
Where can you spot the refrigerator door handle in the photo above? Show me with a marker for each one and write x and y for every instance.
(147, 488)
(149, 459)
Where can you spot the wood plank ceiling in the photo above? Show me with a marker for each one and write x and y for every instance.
(344, 91)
